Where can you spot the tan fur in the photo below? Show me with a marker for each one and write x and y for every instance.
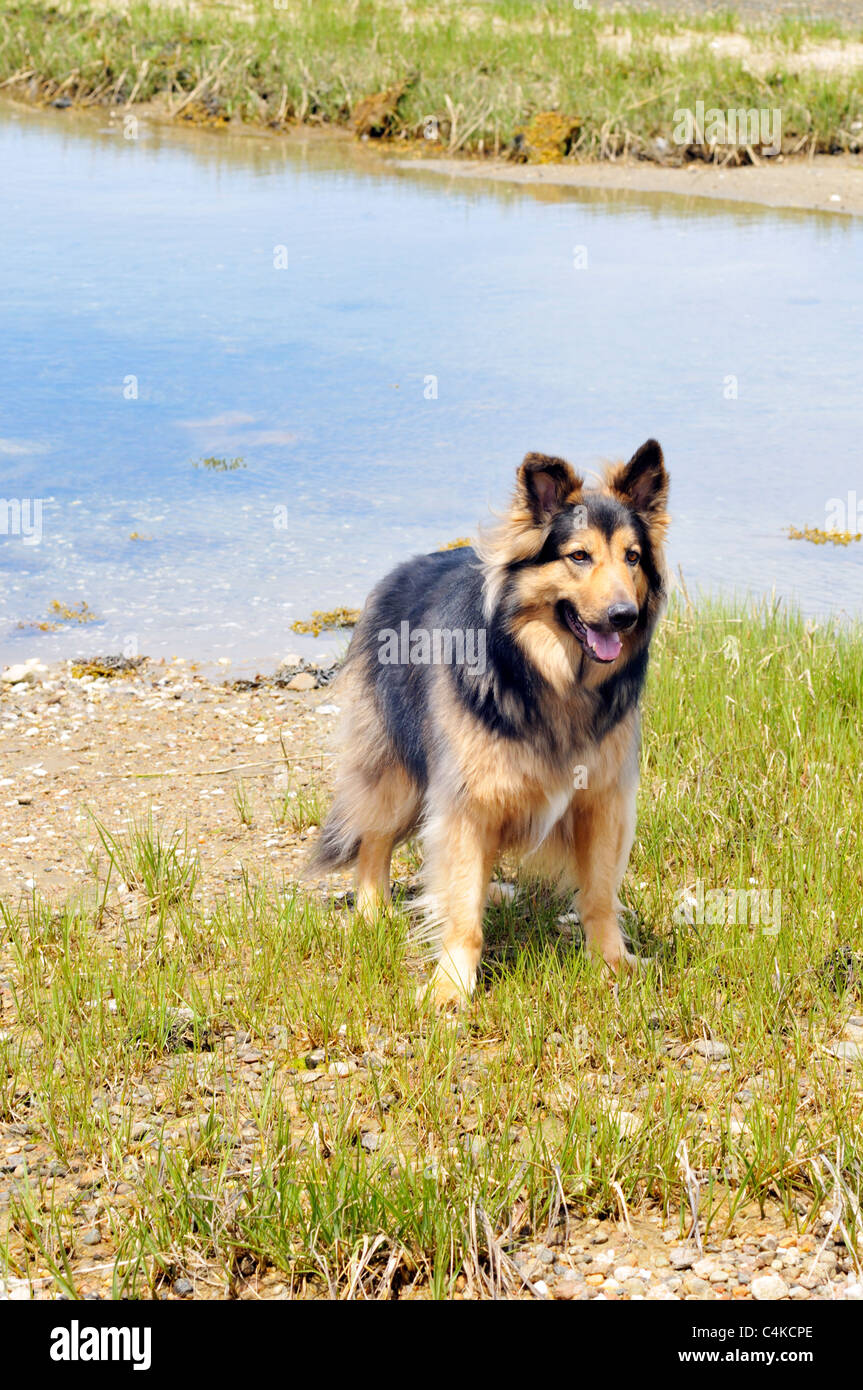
(490, 794)
(514, 802)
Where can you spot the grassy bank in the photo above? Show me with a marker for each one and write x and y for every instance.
(538, 81)
(249, 1094)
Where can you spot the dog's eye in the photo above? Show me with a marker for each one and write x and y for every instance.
(581, 557)
(633, 557)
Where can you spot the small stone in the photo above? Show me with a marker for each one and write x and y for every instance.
(692, 1284)
(769, 1287)
(303, 680)
(847, 1051)
(681, 1258)
(183, 1287)
(711, 1049)
(92, 1237)
(541, 1287)
(24, 673)
(567, 1289)
(627, 1123)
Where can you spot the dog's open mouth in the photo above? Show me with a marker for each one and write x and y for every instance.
(599, 646)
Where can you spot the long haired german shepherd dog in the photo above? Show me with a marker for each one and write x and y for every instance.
(491, 704)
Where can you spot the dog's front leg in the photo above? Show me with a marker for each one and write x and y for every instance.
(460, 850)
(602, 837)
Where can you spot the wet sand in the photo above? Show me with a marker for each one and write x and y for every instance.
(827, 183)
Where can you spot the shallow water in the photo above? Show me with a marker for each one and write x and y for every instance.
(153, 259)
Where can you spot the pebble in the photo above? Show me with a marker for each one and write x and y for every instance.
(25, 672)
(681, 1258)
(847, 1051)
(693, 1285)
(302, 681)
(768, 1287)
(711, 1049)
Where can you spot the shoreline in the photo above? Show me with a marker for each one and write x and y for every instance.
(826, 183)
(831, 184)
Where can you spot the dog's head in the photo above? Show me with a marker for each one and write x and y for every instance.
(580, 571)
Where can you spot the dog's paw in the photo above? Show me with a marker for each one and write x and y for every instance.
(445, 990)
(617, 956)
(627, 963)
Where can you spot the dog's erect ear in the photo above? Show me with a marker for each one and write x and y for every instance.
(545, 484)
(643, 482)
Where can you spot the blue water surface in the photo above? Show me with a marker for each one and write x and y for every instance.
(380, 346)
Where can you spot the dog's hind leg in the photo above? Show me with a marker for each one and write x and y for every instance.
(373, 872)
(389, 813)
(460, 851)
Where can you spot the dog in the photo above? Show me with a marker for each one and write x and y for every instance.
(491, 699)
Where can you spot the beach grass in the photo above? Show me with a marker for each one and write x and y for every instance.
(472, 78)
(252, 1091)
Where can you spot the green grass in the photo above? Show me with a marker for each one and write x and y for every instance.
(158, 1055)
(481, 71)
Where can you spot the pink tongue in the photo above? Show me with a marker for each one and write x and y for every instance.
(606, 645)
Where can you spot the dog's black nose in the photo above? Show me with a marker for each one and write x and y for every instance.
(622, 615)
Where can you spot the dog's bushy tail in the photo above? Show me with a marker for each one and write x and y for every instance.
(338, 843)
